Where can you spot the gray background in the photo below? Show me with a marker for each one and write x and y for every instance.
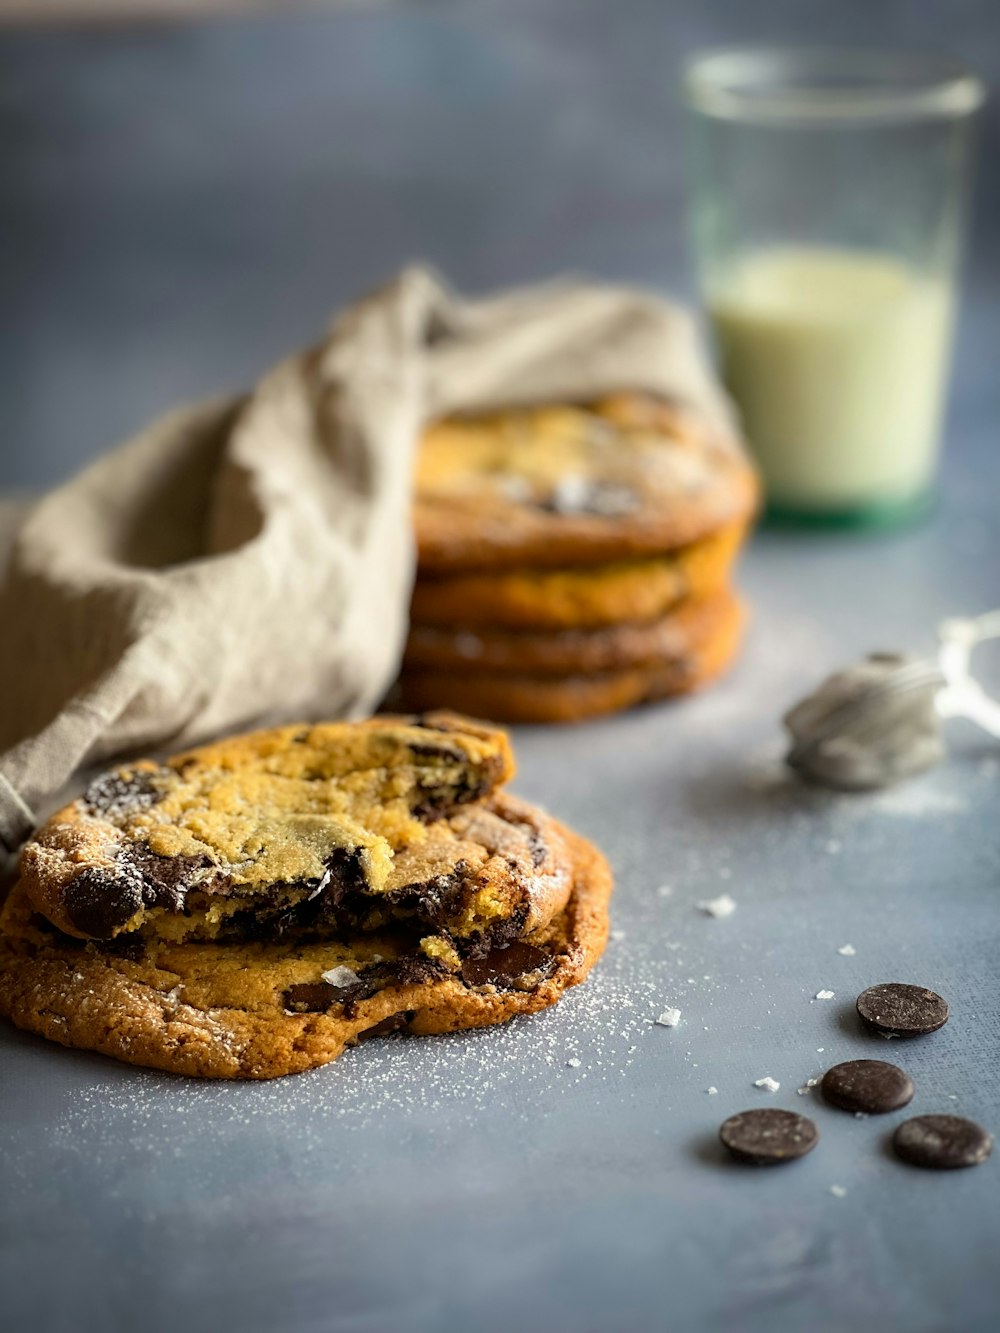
(180, 205)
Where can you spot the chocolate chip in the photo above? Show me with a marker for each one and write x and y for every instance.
(165, 879)
(116, 794)
(872, 1086)
(394, 1023)
(347, 873)
(130, 946)
(311, 997)
(99, 903)
(768, 1136)
(898, 1010)
(504, 967)
(942, 1142)
(445, 753)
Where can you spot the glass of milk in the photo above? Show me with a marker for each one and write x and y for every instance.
(828, 192)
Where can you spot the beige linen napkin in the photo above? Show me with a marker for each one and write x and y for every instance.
(250, 561)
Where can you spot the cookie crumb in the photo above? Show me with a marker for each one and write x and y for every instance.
(808, 1086)
(722, 906)
(669, 1018)
(824, 995)
(768, 1084)
(838, 1191)
(574, 1063)
(847, 951)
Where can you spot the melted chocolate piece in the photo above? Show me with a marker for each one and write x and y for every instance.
(504, 967)
(444, 752)
(347, 872)
(166, 879)
(116, 794)
(394, 1023)
(99, 903)
(311, 997)
(130, 946)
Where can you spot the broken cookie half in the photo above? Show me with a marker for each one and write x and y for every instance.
(253, 907)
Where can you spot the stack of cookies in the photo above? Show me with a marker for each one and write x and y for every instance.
(574, 560)
(252, 908)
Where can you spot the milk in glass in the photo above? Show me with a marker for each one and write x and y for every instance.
(838, 360)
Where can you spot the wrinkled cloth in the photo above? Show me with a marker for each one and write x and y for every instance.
(249, 561)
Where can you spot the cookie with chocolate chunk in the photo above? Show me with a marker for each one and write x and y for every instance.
(580, 597)
(258, 1009)
(558, 486)
(297, 830)
(509, 695)
(572, 652)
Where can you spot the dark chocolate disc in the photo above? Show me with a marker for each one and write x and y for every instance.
(767, 1136)
(898, 1010)
(942, 1142)
(872, 1086)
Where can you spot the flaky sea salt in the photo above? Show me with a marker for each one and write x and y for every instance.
(712, 1091)
(768, 1084)
(574, 1063)
(617, 936)
(838, 1191)
(824, 995)
(722, 906)
(664, 891)
(341, 976)
(807, 1087)
(847, 951)
(669, 1018)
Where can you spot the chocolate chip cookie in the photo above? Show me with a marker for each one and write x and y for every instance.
(302, 829)
(582, 597)
(669, 638)
(512, 696)
(261, 1008)
(559, 486)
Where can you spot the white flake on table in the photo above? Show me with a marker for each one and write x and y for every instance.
(847, 951)
(838, 1191)
(712, 1092)
(669, 1018)
(833, 847)
(722, 906)
(824, 995)
(807, 1087)
(574, 1063)
(617, 936)
(664, 891)
(767, 1083)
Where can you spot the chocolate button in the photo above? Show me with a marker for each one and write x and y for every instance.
(872, 1086)
(767, 1136)
(897, 1010)
(942, 1142)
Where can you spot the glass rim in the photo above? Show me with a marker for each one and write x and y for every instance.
(828, 85)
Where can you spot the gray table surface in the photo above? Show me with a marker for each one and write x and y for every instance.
(481, 1181)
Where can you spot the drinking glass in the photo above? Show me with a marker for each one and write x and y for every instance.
(828, 191)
